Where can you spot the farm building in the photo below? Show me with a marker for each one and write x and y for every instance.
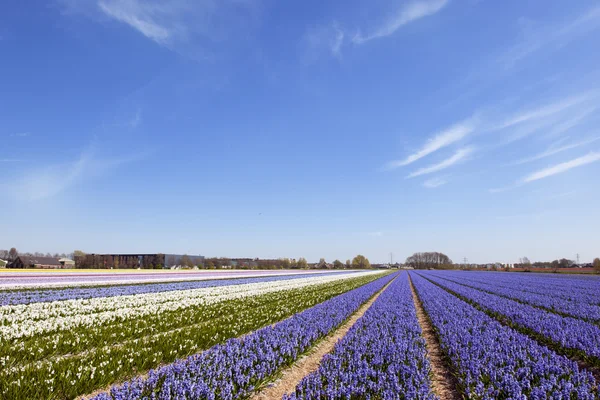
(67, 263)
(35, 262)
(110, 261)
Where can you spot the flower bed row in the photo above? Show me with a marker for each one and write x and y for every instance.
(97, 357)
(549, 300)
(493, 361)
(579, 289)
(235, 369)
(24, 320)
(383, 355)
(571, 334)
(13, 297)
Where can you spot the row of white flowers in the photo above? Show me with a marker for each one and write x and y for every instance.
(18, 321)
(115, 277)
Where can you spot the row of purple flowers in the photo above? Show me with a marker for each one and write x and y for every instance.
(580, 288)
(579, 308)
(493, 361)
(383, 356)
(568, 333)
(236, 368)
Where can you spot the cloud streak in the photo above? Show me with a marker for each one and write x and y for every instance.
(457, 157)
(439, 141)
(408, 13)
(375, 234)
(138, 16)
(137, 119)
(434, 183)
(48, 181)
(562, 167)
(553, 151)
(556, 35)
(323, 39)
(198, 30)
(541, 113)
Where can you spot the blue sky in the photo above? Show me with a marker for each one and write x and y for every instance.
(285, 129)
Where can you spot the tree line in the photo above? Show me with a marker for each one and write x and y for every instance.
(13, 253)
(427, 260)
(358, 262)
(159, 261)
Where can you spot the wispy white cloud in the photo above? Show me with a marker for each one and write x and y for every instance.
(375, 234)
(503, 189)
(336, 43)
(442, 139)
(406, 14)
(457, 157)
(571, 121)
(434, 183)
(48, 181)
(139, 16)
(562, 167)
(538, 38)
(323, 39)
(9, 160)
(554, 150)
(137, 119)
(561, 195)
(550, 119)
(542, 112)
(20, 134)
(188, 27)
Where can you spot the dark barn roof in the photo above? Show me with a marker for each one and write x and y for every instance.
(27, 260)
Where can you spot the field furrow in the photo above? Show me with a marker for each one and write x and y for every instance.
(568, 335)
(493, 361)
(382, 356)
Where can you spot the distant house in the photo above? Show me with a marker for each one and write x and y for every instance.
(67, 263)
(35, 262)
(3, 263)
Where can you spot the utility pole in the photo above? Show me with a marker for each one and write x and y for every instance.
(577, 258)
(391, 258)
(465, 260)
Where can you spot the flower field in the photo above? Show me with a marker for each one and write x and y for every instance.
(501, 336)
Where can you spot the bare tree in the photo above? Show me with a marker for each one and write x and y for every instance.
(186, 261)
(526, 264)
(171, 261)
(596, 265)
(13, 254)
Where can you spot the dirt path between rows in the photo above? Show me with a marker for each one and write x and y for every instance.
(443, 383)
(291, 377)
